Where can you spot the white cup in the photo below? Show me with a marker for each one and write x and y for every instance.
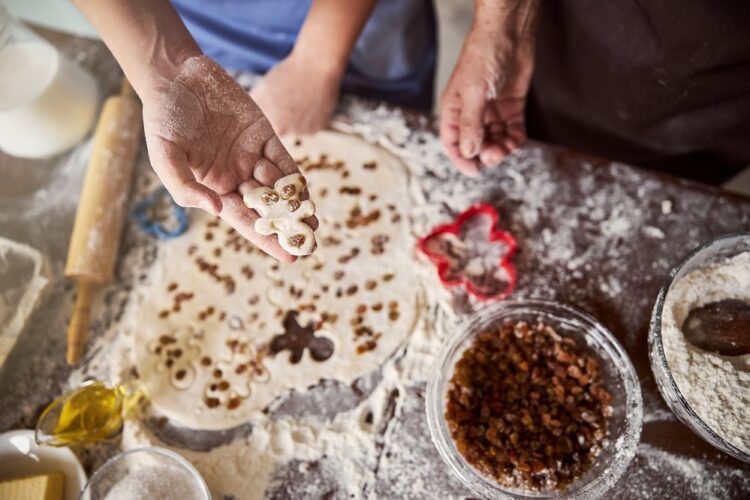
(47, 103)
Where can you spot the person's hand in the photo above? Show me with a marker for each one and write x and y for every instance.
(298, 95)
(481, 110)
(209, 143)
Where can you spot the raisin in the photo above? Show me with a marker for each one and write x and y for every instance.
(527, 407)
(296, 240)
(270, 197)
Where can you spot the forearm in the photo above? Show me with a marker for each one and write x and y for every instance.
(330, 32)
(516, 18)
(510, 26)
(147, 37)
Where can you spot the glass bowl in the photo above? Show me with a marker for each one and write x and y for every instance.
(624, 426)
(714, 250)
(146, 473)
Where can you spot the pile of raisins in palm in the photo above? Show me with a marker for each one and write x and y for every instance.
(526, 406)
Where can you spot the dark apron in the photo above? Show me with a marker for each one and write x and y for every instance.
(662, 84)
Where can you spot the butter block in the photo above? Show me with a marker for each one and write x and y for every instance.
(43, 487)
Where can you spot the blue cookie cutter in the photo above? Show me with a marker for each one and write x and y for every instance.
(143, 215)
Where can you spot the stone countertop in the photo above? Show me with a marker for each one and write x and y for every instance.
(37, 207)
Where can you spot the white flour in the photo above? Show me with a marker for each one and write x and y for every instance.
(697, 478)
(717, 387)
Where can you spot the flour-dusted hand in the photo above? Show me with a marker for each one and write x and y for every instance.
(298, 95)
(210, 143)
(207, 139)
(481, 110)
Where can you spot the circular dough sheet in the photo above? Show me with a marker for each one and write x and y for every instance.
(213, 303)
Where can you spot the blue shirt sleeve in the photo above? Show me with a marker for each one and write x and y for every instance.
(393, 60)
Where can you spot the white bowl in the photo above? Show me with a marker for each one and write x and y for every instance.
(20, 456)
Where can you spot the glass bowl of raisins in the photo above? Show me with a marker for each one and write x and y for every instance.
(535, 399)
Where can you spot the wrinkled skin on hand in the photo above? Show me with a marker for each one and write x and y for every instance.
(209, 143)
(481, 110)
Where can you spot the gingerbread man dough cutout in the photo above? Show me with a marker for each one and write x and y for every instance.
(282, 212)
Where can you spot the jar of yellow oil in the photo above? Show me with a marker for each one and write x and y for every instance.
(91, 412)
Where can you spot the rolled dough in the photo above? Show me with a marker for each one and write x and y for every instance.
(213, 304)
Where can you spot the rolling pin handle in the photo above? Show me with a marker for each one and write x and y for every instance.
(78, 329)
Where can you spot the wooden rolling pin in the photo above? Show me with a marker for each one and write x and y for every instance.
(96, 233)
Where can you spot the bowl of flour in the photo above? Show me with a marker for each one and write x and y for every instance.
(708, 392)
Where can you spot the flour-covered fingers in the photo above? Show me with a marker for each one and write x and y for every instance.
(275, 152)
(517, 131)
(499, 144)
(449, 138)
(248, 186)
(498, 137)
(502, 136)
(266, 173)
(492, 154)
(170, 164)
(240, 217)
(470, 126)
(449, 130)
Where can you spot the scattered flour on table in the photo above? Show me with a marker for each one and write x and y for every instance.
(691, 477)
(717, 387)
(360, 450)
(245, 467)
(653, 232)
(42, 218)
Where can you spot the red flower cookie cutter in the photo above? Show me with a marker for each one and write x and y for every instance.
(443, 263)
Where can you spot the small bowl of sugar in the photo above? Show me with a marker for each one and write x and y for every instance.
(146, 473)
(708, 391)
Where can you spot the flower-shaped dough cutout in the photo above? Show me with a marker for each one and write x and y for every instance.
(282, 213)
(471, 252)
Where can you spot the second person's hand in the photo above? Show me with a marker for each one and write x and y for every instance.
(209, 143)
(482, 107)
(299, 94)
